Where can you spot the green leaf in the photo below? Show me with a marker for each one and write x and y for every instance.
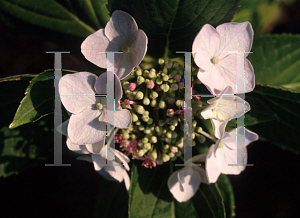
(171, 25)
(227, 194)
(274, 116)
(149, 196)
(38, 101)
(76, 17)
(276, 60)
(28, 145)
(18, 77)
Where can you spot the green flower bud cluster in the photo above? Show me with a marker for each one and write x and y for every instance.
(158, 136)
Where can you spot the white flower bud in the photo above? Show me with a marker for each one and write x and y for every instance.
(153, 155)
(139, 109)
(150, 121)
(161, 61)
(140, 80)
(174, 87)
(125, 135)
(138, 72)
(171, 127)
(178, 103)
(134, 117)
(154, 139)
(165, 78)
(124, 85)
(165, 87)
(165, 158)
(147, 146)
(146, 73)
(153, 103)
(158, 81)
(141, 128)
(153, 95)
(146, 101)
(162, 104)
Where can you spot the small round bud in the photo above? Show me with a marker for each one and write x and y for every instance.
(133, 136)
(165, 158)
(161, 122)
(145, 140)
(145, 118)
(138, 123)
(146, 73)
(171, 154)
(181, 85)
(150, 84)
(139, 109)
(141, 128)
(198, 129)
(152, 73)
(134, 117)
(138, 72)
(131, 86)
(178, 103)
(175, 64)
(153, 95)
(130, 128)
(177, 77)
(153, 139)
(171, 100)
(158, 81)
(140, 143)
(174, 87)
(170, 112)
(165, 87)
(153, 155)
(131, 96)
(142, 152)
(147, 130)
(171, 127)
(147, 146)
(140, 80)
(125, 135)
(174, 121)
(150, 121)
(169, 64)
(161, 61)
(194, 123)
(165, 78)
(139, 95)
(153, 103)
(193, 135)
(201, 138)
(162, 104)
(172, 94)
(169, 134)
(146, 101)
(158, 129)
(124, 85)
(174, 149)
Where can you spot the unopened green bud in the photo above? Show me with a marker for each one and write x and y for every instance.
(132, 73)
(171, 100)
(193, 135)
(173, 141)
(168, 140)
(146, 73)
(165, 87)
(146, 113)
(150, 121)
(174, 87)
(152, 73)
(142, 152)
(201, 138)
(133, 136)
(194, 123)
(165, 78)
(153, 94)
(153, 155)
(138, 123)
(130, 128)
(169, 120)
(139, 109)
(141, 128)
(198, 129)
(158, 129)
(178, 103)
(153, 103)
(152, 128)
(193, 143)
(175, 64)
(125, 135)
(161, 61)
(162, 104)
(140, 80)
(131, 96)
(146, 101)
(198, 104)
(140, 143)
(169, 134)
(172, 127)
(134, 117)
(139, 95)
(125, 83)
(158, 81)
(174, 122)
(153, 139)
(169, 64)
(145, 140)
(171, 154)
(161, 122)
(145, 118)
(147, 130)
(178, 153)
(164, 131)
(147, 146)
(166, 147)
(138, 72)
(172, 95)
(165, 158)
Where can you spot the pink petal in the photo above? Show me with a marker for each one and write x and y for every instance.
(213, 163)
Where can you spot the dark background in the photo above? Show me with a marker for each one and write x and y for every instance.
(270, 188)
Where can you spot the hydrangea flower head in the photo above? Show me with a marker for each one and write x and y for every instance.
(121, 34)
(217, 67)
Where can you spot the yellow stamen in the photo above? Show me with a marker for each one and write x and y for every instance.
(215, 60)
(99, 106)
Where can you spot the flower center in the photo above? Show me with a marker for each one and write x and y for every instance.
(99, 106)
(221, 145)
(215, 60)
(216, 108)
(125, 48)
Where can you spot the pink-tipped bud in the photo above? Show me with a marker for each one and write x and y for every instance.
(131, 86)
(196, 98)
(150, 84)
(181, 85)
(177, 77)
(170, 112)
